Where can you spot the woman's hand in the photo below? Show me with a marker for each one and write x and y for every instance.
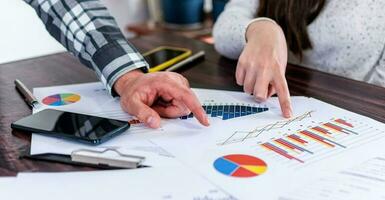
(150, 96)
(262, 64)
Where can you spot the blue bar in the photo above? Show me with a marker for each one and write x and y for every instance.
(220, 110)
(237, 108)
(215, 108)
(243, 111)
(226, 109)
(208, 111)
(231, 115)
(243, 108)
(231, 109)
(248, 110)
(214, 111)
(255, 110)
(237, 111)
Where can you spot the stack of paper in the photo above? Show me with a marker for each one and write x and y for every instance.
(248, 155)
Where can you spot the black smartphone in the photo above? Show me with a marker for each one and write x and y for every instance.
(77, 127)
(163, 57)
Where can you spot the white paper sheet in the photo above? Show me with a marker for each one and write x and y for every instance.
(247, 136)
(364, 180)
(96, 101)
(198, 148)
(146, 183)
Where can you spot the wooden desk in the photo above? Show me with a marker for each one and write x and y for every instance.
(215, 72)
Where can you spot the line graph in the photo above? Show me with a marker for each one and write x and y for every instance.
(240, 136)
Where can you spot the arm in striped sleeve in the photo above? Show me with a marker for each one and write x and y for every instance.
(87, 30)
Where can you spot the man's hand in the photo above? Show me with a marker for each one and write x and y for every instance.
(154, 95)
(262, 64)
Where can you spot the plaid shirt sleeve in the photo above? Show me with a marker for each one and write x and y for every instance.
(88, 31)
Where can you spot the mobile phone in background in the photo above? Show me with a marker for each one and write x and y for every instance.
(163, 57)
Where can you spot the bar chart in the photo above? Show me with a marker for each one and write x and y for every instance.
(314, 142)
(226, 111)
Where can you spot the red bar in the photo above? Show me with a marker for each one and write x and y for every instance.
(317, 128)
(280, 152)
(341, 121)
(335, 127)
(285, 144)
(297, 138)
(316, 137)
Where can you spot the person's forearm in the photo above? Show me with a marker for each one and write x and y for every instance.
(261, 25)
(229, 30)
(88, 31)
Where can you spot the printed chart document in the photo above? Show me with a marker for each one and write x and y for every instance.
(145, 183)
(364, 180)
(265, 155)
(248, 151)
(93, 99)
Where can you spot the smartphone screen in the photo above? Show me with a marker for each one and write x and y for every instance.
(159, 57)
(71, 125)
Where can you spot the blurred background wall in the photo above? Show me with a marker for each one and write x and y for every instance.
(24, 36)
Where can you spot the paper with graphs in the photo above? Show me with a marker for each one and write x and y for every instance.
(249, 150)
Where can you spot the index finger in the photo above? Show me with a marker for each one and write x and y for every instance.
(283, 95)
(187, 96)
(192, 103)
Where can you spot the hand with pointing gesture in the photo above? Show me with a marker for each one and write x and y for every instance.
(262, 64)
(161, 94)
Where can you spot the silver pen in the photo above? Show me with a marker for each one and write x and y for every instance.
(186, 61)
(27, 94)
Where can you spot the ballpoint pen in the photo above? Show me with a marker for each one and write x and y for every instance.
(27, 94)
(188, 60)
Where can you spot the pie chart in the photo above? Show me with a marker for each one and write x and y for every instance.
(239, 165)
(61, 99)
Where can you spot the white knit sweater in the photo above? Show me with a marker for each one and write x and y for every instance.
(348, 37)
